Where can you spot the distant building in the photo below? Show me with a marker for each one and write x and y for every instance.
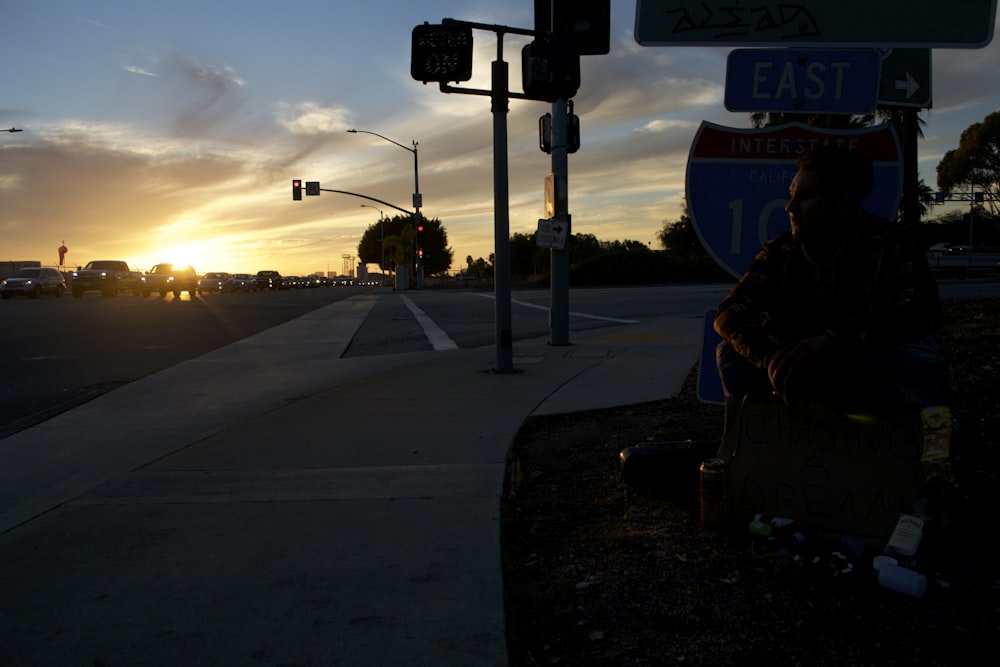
(7, 269)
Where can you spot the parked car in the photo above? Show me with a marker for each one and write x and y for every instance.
(269, 280)
(164, 278)
(34, 282)
(244, 282)
(215, 281)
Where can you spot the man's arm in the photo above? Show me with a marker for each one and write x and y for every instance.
(738, 318)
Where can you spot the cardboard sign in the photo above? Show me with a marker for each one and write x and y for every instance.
(837, 474)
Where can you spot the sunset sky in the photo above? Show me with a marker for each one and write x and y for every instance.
(170, 131)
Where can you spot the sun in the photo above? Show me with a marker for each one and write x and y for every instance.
(186, 254)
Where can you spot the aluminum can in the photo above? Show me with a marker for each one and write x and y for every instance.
(713, 492)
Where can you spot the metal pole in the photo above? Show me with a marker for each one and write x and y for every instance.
(559, 259)
(417, 201)
(501, 215)
(972, 217)
(416, 222)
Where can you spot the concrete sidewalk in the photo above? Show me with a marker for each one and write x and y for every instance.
(345, 512)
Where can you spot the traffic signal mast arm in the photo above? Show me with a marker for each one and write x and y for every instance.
(500, 31)
(355, 194)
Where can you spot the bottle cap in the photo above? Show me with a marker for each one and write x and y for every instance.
(879, 561)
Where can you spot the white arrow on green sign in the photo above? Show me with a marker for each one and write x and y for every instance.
(906, 78)
(966, 24)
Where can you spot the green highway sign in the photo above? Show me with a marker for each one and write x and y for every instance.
(921, 24)
(906, 78)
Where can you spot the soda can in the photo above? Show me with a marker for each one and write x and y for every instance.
(713, 492)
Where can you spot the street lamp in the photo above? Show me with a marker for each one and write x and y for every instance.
(381, 219)
(417, 201)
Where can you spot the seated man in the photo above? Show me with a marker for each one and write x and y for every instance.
(840, 310)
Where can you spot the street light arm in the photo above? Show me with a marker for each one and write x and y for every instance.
(407, 148)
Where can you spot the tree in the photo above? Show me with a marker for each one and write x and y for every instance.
(680, 238)
(399, 243)
(975, 164)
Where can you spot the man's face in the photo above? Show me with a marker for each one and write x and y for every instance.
(810, 207)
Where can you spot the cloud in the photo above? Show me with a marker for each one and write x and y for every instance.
(309, 118)
(134, 69)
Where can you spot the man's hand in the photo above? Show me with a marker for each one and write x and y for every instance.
(795, 369)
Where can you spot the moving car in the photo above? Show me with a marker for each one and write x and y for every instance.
(33, 282)
(164, 278)
(269, 280)
(107, 276)
(215, 281)
(244, 282)
(947, 249)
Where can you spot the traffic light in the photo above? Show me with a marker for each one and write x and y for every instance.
(550, 70)
(441, 53)
(420, 234)
(586, 23)
(296, 189)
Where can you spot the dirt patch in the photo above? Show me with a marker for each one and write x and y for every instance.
(600, 574)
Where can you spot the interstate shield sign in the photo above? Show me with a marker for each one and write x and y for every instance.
(737, 182)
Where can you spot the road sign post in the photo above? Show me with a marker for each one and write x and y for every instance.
(846, 23)
(737, 182)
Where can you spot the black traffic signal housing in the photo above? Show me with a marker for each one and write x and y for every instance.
(586, 23)
(441, 53)
(296, 189)
(572, 133)
(420, 234)
(550, 70)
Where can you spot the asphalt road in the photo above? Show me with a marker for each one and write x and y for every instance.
(58, 353)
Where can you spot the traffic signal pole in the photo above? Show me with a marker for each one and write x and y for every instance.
(559, 258)
(501, 216)
(500, 96)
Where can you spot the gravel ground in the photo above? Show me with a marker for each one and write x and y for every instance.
(597, 573)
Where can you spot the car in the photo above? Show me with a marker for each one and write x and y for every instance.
(33, 281)
(269, 280)
(164, 278)
(947, 249)
(215, 281)
(107, 276)
(244, 282)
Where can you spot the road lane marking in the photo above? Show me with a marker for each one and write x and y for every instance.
(528, 304)
(438, 338)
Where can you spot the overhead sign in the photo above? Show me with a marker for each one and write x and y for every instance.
(551, 233)
(803, 80)
(846, 23)
(312, 188)
(906, 78)
(737, 182)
